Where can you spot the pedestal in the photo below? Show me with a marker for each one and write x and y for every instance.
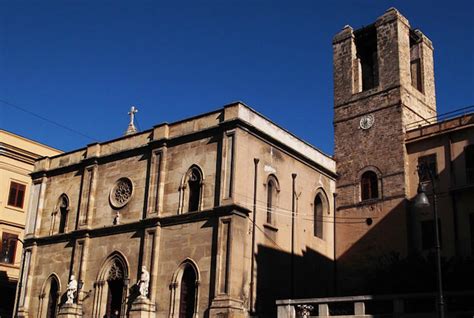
(70, 311)
(22, 313)
(229, 307)
(142, 307)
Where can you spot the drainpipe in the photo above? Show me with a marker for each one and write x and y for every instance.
(334, 243)
(292, 277)
(254, 221)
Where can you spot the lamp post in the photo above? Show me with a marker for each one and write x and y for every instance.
(422, 201)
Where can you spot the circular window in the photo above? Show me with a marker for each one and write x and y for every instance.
(121, 192)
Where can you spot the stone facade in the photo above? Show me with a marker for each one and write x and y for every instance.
(189, 201)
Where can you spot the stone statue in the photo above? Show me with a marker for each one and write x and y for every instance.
(144, 282)
(117, 218)
(71, 290)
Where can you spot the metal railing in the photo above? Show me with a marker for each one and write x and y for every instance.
(440, 117)
(459, 304)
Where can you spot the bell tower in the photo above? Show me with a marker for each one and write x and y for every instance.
(383, 81)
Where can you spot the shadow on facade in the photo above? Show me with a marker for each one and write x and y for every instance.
(313, 277)
(390, 259)
(7, 298)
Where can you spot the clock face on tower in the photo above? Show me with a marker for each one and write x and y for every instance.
(366, 121)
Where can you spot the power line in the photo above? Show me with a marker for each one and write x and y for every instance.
(46, 119)
(265, 234)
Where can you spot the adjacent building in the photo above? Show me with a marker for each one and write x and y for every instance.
(17, 158)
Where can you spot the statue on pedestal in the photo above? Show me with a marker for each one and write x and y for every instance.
(71, 290)
(144, 282)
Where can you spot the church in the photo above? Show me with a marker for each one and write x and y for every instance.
(222, 214)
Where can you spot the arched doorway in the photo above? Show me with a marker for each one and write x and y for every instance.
(115, 284)
(185, 291)
(53, 296)
(111, 289)
(187, 297)
(49, 299)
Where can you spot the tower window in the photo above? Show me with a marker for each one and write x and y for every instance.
(369, 186)
(415, 62)
(366, 47)
(469, 153)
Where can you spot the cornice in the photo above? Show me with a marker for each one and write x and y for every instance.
(163, 222)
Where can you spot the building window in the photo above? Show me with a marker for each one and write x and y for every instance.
(63, 212)
(272, 189)
(318, 216)
(469, 153)
(367, 57)
(194, 184)
(8, 248)
(429, 162)
(16, 195)
(369, 186)
(428, 234)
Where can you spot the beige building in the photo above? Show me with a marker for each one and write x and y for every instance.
(226, 211)
(17, 157)
(447, 146)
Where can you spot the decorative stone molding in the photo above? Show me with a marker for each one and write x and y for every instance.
(121, 193)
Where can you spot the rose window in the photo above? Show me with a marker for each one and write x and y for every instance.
(121, 192)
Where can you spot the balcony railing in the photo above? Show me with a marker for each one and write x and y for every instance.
(440, 117)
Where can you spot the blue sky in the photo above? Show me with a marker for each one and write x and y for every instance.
(82, 64)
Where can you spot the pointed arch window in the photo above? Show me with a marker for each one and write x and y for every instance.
(63, 213)
(369, 186)
(272, 191)
(318, 216)
(191, 190)
(194, 185)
